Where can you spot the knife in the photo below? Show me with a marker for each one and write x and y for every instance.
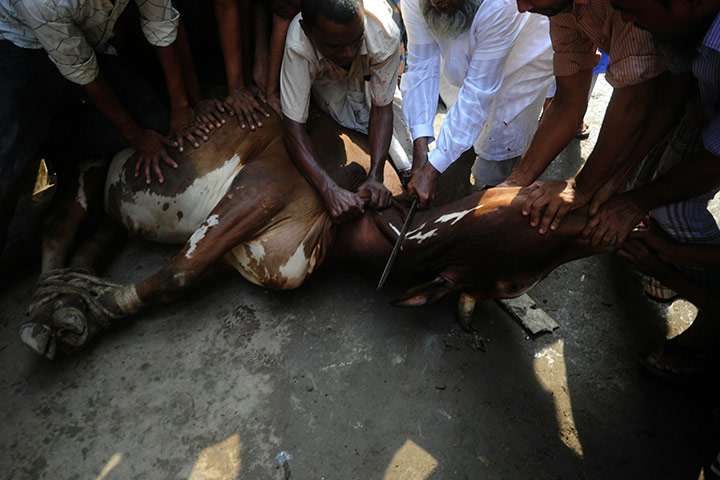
(398, 242)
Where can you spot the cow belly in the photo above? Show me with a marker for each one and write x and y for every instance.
(285, 254)
(167, 218)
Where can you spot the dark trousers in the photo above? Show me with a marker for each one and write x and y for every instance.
(44, 114)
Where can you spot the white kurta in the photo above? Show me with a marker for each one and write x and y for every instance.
(502, 67)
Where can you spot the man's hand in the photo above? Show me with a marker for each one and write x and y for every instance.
(343, 205)
(210, 112)
(550, 201)
(615, 220)
(185, 126)
(380, 196)
(424, 184)
(273, 101)
(242, 103)
(642, 258)
(150, 147)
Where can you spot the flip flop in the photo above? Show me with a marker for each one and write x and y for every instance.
(700, 359)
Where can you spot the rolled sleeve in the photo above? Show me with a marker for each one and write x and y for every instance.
(573, 50)
(63, 41)
(633, 57)
(383, 77)
(159, 21)
(296, 78)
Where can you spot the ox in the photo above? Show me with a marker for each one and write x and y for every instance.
(239, 199)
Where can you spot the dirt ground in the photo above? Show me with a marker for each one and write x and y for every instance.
(330, 382)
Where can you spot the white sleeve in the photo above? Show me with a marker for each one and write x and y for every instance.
(495, 38)
(420, 84)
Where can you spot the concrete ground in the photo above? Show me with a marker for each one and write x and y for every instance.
(330, 382)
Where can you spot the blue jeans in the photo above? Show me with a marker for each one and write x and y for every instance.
(44, 114)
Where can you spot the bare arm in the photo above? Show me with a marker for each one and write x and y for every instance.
(277, 47)
(149, 145)
(240, 101)
(380, 133)
(557, 128)
(341, 204)
(685, 180)
(182, 117)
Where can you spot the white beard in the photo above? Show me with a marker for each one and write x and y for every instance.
(446, 25)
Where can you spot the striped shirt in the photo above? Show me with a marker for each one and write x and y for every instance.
(71, 31)
(593, 24)
(706, 68)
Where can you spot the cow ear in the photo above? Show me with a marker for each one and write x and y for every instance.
(423, 294)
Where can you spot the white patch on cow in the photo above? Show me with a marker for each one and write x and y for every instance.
(297, 265)
(420, 237)
(455, 217)
(80, 197)
(199, 234)
(394, 228)
(174, 219)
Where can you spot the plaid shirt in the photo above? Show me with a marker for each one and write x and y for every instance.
(71, 31)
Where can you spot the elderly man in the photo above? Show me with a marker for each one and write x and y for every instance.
(54, 55)
(643, 107)
(498, 66)
(346, 52)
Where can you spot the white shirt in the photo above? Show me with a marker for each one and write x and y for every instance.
(71, 31)
(378, 58)
(502, 63)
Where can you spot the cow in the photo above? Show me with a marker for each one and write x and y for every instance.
(240, 200)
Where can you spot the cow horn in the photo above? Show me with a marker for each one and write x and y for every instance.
(465, 310)
(424, 294)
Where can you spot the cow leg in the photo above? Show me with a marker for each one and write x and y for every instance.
(77, 197)
(244, 212)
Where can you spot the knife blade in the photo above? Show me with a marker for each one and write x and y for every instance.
(398, 242)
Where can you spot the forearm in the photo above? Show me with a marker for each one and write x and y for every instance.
(305, 158)
(277, 47)
(172, 67)
(380, 133)
(188, 66)
(104, 98)
(557, 128)
(626, 118)
(672, 95)
(228, 18)
(687, 179)
(694, 255)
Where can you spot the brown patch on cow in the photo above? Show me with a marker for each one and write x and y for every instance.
(165, 206)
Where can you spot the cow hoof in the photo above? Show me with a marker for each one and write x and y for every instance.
(39, 338)
(69, 318)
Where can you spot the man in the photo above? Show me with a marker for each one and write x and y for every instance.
(498, 63)
(687, 174)
(643, 107)
(53, 55)
(346, 52)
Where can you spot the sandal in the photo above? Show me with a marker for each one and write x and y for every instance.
(678, 363)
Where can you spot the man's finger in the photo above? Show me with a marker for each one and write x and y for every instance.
(190, 138)
(559, 216)
(147, 172)
(168, 159)
(158, 172)
(534, 195)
